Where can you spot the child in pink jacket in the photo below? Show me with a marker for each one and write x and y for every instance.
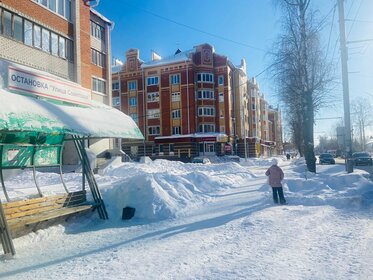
(276, 175)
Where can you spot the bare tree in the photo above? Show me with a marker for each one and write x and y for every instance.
(362, 117)
(300, 71)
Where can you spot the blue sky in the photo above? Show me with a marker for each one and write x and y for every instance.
(242, 29)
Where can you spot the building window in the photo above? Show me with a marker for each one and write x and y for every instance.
(206, 111)
(135, 117)
(221, 80)
(98, 58)
(115, 85)
(171, 148)
(176, 130)
(253, 106)
(152, 81)
(37, 36)
(175, 79)
(45, 40)
(132, 85)
(98, 85)
(161, 149)
(116, 101)
(52, 5)
(34, 35)
(153, 114)
(222, 128)
(175, 96)
(62, 47)
(133, 102)
(54, 44)
(176, 114)
(205, 94)
(205, 77)
(17, 28)
(62, 7)
(154, 130)
(27, 32)
(69, 50)
(68, 9)
(206, 128)
(7, 23)
(221, 97)
(153, 97)
(97, 31)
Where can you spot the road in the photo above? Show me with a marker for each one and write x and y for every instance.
(367, 168)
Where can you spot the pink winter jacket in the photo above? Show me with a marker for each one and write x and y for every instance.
(276, 175)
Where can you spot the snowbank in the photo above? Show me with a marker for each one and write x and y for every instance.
(162, 189)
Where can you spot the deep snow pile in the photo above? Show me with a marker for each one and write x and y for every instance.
(331, 185)
(197, 221)
(164, 189)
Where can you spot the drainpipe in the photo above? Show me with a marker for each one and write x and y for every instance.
(77, 41)
(120, 107)
(143, 108)
(187, 77)
(234, 110)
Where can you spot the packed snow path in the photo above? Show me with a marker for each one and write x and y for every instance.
(237, 234)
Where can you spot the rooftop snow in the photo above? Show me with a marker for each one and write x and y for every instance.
(182, 56)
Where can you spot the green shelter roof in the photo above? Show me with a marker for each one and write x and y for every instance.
(28, 114)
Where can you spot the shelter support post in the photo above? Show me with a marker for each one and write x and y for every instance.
(83, 164)
(60, 165)
(5, 236)
(1, 174)
(87, 171)
(34, 172)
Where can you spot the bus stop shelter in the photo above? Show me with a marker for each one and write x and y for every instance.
(33, 131)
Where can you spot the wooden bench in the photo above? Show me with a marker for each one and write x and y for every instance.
(28, 215)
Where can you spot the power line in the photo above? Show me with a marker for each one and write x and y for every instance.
(360, 20)
(199, 30)
(353, 22)
(331, 28)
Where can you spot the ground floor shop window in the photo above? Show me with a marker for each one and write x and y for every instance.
(134, 150)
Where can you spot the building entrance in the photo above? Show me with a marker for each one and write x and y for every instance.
(207, 148)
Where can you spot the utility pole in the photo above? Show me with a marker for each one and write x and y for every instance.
(346, 98)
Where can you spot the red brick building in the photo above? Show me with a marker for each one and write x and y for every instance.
(184, 104)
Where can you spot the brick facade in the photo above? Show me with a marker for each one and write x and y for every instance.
(237, 112)
(73, 60)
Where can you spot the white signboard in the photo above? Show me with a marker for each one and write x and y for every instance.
(45, 86)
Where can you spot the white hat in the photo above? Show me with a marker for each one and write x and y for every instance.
(274, 161)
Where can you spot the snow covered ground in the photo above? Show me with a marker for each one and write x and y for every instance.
(197, 221)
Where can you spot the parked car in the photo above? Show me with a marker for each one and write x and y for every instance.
(326, 158)
(362, 158)
(201, 160)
